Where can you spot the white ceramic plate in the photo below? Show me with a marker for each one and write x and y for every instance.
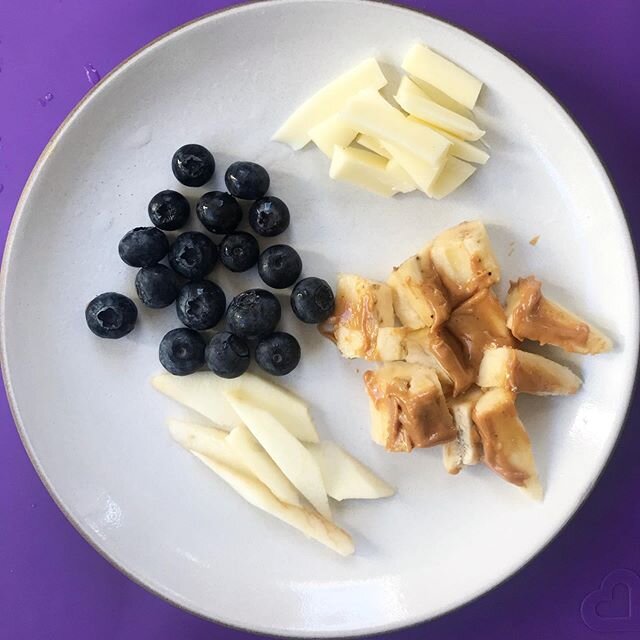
(95, 429)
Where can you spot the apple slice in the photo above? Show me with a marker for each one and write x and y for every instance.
(204, 392)
(345, 477)
(248, 449)
(297, 464)
(331, 133)
(308, 522)
(208, 441)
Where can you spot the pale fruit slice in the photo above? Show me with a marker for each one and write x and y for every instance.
(328, 101)
(305, 520)
(464, 259)
(208, 441)
(204, 393)
(523, 372)
(423, 173)
(460, 148)
(443, 74)
(363, 169)
(415, 102)
(505, 442)
(408, 408)
(466, 449)
(331, 133)
(480, 323)
(371, 114)
(454, 174)
(373, 144)
(532, 316)
(249, 450)
(419, 298)
(287, 452)
(346, 478)
(362, 308)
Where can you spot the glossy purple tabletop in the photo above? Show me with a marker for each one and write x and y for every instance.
(584, 585)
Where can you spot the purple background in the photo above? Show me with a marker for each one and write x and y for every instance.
(54, 585)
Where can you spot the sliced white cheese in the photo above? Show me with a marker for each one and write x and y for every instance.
(345, 477)
(204, 392)
(249, 450)
(328, 101)
(422, 173)
(362, 168)
(460, 148)
(455, 172)
(371, 114)
(297, 464)
(401, 181)
(256, 493)
(443, 74)
(373, 144)
(330, 133)
(442, 98)
(416, 103)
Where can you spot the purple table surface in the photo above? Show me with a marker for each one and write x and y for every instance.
(584, 585)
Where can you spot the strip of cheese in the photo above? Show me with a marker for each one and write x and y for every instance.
(328, 101)
(455, 172)
(442, 98)
(459, 148)
(373, 144)
(331, 133)
(371, 114)
(421, 172)
(416, 103)
(362, 168)
(443, 74)
(401, 181)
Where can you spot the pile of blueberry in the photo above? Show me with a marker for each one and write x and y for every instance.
(253, 316)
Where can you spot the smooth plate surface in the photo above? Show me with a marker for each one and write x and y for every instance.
(95, 428)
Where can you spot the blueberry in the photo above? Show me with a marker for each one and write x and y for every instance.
(111, 315)
(279, 266)
(193, 165)
(247, 180)
(254, 313)
(143, 247)
(169, 210)
(219, 212)
(227, 355)
(239, 251)
(193, 255)
(182, 351)
(157, 286)
(201, 305)
(269, 216)
(278, 354)
(312, 300)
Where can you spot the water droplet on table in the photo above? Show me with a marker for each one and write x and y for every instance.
(93, 75)
(48, 97)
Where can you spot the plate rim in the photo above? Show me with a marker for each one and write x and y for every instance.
(248, 5)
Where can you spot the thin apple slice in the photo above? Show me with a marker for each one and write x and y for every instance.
(308, 522)
(209, 441)
(204, 392)
(297, 464)
(249, 450)
(345, 477)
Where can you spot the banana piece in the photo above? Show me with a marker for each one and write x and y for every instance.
(466, 449)
(480, 323)
(464, 259)
(419, 297)
(523, 372)
(505, 442)
(362, 308)
(408, 408)
(532, 316)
